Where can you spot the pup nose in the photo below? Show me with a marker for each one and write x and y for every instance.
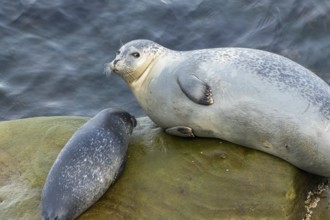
(115, 61)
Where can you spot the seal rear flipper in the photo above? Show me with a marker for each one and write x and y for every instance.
(195, 89)
(181, 131)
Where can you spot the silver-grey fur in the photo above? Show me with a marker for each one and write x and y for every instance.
(249, 97)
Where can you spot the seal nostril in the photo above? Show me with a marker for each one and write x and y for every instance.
(115, 61)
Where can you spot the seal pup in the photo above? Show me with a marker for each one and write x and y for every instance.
(87, 165)
(246, 96)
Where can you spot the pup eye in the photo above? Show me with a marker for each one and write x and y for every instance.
(135, 54)
(118, 52)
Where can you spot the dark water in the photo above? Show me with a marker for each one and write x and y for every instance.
(52, 53)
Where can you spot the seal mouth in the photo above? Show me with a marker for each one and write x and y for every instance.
(109, 68)
(112, 66)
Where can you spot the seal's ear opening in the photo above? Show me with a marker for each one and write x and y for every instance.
(134, 122)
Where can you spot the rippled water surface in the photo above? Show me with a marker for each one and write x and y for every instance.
(52, 53)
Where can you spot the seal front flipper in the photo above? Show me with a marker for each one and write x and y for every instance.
(181, 131)
(195, 89)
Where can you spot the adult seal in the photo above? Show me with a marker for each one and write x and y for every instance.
(87, 165)
(249, 97)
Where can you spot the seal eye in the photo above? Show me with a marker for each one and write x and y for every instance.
(118, 52)
(135, 54)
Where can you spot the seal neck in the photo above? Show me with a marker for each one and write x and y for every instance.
(153, 68)
(141, 80)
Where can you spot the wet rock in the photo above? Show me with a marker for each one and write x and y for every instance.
(165, 177)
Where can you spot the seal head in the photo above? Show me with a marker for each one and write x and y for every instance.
(134, 59)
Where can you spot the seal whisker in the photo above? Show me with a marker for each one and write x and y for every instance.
(107, 70)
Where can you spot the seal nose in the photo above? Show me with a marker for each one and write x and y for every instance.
(113, 64)
(115, 61)
(134, 122)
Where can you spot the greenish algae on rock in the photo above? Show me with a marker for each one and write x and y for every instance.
(165, 177)
(28, 148)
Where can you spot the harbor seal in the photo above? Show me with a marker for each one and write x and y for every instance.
(246, 96)
(87, 165)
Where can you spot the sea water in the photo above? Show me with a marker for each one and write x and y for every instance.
(53, 53)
